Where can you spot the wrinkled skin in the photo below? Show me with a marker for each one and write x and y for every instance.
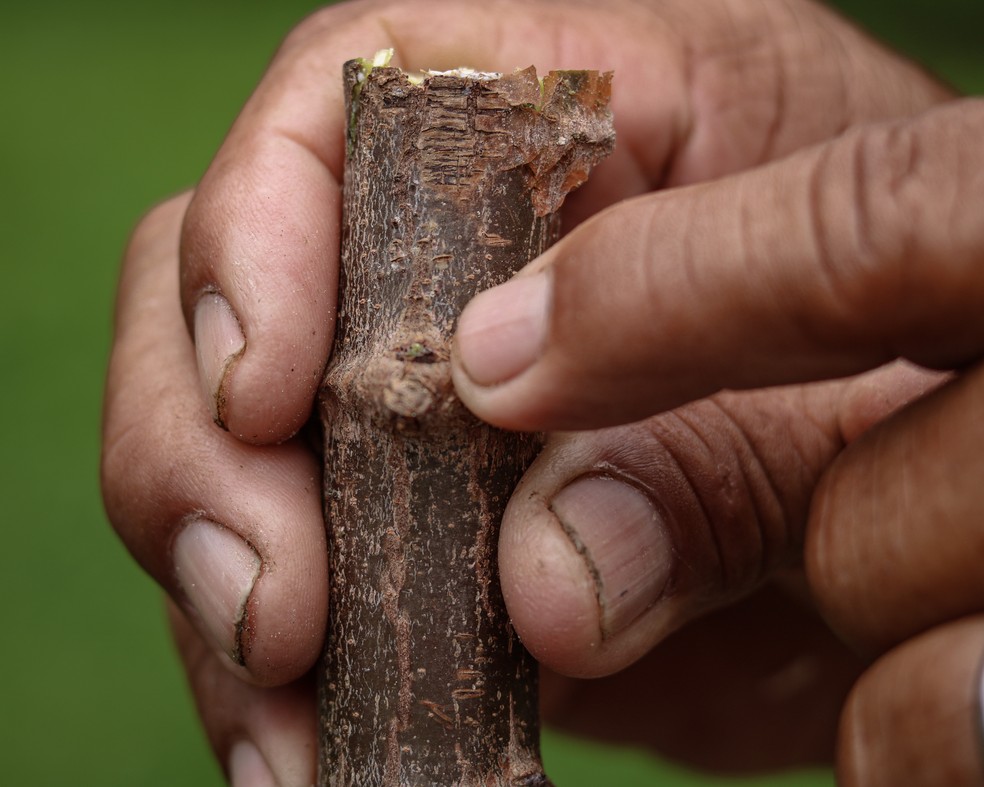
(777, 510)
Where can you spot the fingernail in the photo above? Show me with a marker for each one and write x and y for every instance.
(503, 330)
(247, 768)
(216, 569)
(623, 541)
(219, 341)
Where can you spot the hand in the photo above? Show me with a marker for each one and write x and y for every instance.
(705, 92)
(834, 261)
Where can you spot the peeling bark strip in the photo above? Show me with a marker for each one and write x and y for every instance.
(451, 185)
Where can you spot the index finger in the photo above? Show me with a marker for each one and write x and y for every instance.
(823, 265)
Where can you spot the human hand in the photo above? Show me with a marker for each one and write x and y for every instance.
(262, 231)
(832, 262)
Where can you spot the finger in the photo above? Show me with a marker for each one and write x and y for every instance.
(233, 532)
(260, 245)
(894, 533)
(828, 263)
(261, 241)
(263, 737)
(616, 538)
(915, 717)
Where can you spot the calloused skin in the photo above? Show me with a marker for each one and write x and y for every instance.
(745, 314)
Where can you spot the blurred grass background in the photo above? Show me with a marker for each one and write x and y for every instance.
(106, 108)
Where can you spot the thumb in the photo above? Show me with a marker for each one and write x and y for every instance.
(616, 538)
(825, 264)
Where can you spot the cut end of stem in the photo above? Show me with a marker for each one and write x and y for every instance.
(558, 126)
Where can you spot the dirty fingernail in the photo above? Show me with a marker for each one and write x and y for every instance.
(623, 541)
(219, 341)
(247, 768)
(216, 569)
(503, 330)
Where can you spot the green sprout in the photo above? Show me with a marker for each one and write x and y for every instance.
(380, 60)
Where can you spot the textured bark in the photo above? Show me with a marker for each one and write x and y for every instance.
(451, 185)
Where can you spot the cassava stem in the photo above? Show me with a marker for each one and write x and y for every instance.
(452, 183)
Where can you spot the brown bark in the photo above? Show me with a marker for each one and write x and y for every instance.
(451, 185)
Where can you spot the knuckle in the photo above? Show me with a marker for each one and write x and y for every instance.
(894, 211)
(881, 204)
(890, 170)
(144, 477)
(739, 515)
(858, 238)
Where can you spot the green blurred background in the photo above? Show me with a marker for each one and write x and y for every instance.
(106, 108)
